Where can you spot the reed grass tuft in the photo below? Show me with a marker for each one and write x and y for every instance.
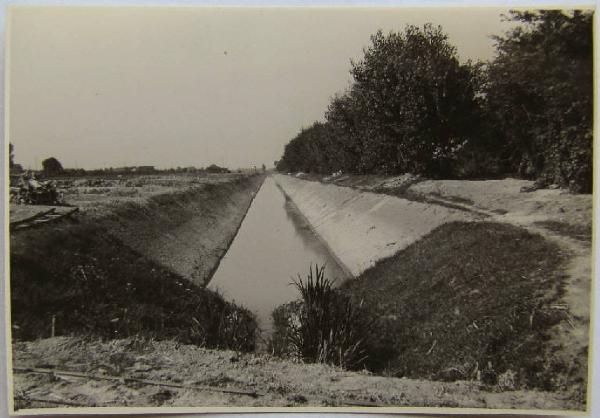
(323, 326)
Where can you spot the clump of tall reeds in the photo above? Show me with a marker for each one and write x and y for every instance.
(323, 326)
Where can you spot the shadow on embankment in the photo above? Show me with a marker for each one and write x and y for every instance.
(109, 276)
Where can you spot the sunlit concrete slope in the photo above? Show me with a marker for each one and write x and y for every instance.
(360, 227)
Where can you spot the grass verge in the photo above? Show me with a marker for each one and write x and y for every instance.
(470, 300)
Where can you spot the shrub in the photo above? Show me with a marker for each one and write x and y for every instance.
(324, 326)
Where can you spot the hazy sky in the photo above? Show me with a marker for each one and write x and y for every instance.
(101, 87)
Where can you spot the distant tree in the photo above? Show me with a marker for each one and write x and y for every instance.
(347, 125)
(14, 167)
(213, 168)
(264, 168)
(11, 155)
(51, 167)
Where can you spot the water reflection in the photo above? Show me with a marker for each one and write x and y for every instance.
(273, 246)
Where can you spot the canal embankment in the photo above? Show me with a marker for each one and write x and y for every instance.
(361, 228)
(479, 303)
(135, 268)
(272, 247)
(188, 231)
(467, 280)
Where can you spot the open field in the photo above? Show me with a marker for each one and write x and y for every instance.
(92, 194)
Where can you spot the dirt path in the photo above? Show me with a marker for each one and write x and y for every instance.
(195, 376)
(557, 216)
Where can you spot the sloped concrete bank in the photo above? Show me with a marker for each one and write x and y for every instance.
(360, 227)
(134, 268)
(190, 231)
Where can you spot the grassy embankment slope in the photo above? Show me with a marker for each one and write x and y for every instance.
(503, 301)
(506, 300)
(109, 273)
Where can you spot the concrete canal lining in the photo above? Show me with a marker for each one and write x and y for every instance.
(360, 227)
(273, 246)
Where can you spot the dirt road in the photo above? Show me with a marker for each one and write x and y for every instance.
(195, 376)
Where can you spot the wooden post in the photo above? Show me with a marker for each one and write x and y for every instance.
(53, 325)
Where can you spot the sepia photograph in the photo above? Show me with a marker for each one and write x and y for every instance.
(349, 209)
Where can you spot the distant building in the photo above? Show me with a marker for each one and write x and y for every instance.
(142, 169)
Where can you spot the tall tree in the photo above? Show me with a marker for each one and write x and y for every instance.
(540, 96)
(418, 101)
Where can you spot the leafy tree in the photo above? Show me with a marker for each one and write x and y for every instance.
(412, 108)
(539, 96)
(417, 102)
(346, 124)
(51, 167)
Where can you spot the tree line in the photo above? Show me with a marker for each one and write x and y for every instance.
(414, 107)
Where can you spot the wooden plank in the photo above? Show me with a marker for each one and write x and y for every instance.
(42, 218)
(33, 218)
(124, 379)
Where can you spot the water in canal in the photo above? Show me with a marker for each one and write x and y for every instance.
(274, 245)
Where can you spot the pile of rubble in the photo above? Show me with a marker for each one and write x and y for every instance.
(31, 191)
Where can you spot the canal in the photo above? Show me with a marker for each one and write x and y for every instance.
(273, 245)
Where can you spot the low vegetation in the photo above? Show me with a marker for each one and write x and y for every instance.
(578, 232)
(323, 326)
(470, 301)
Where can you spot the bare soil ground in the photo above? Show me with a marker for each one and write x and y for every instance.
(129, 373)
(96, 195)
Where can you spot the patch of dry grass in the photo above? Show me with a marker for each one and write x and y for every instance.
(468, 301)
(575, 231)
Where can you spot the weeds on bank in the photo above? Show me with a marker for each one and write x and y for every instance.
(76, 279)
(323, 326)
(468, 301)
